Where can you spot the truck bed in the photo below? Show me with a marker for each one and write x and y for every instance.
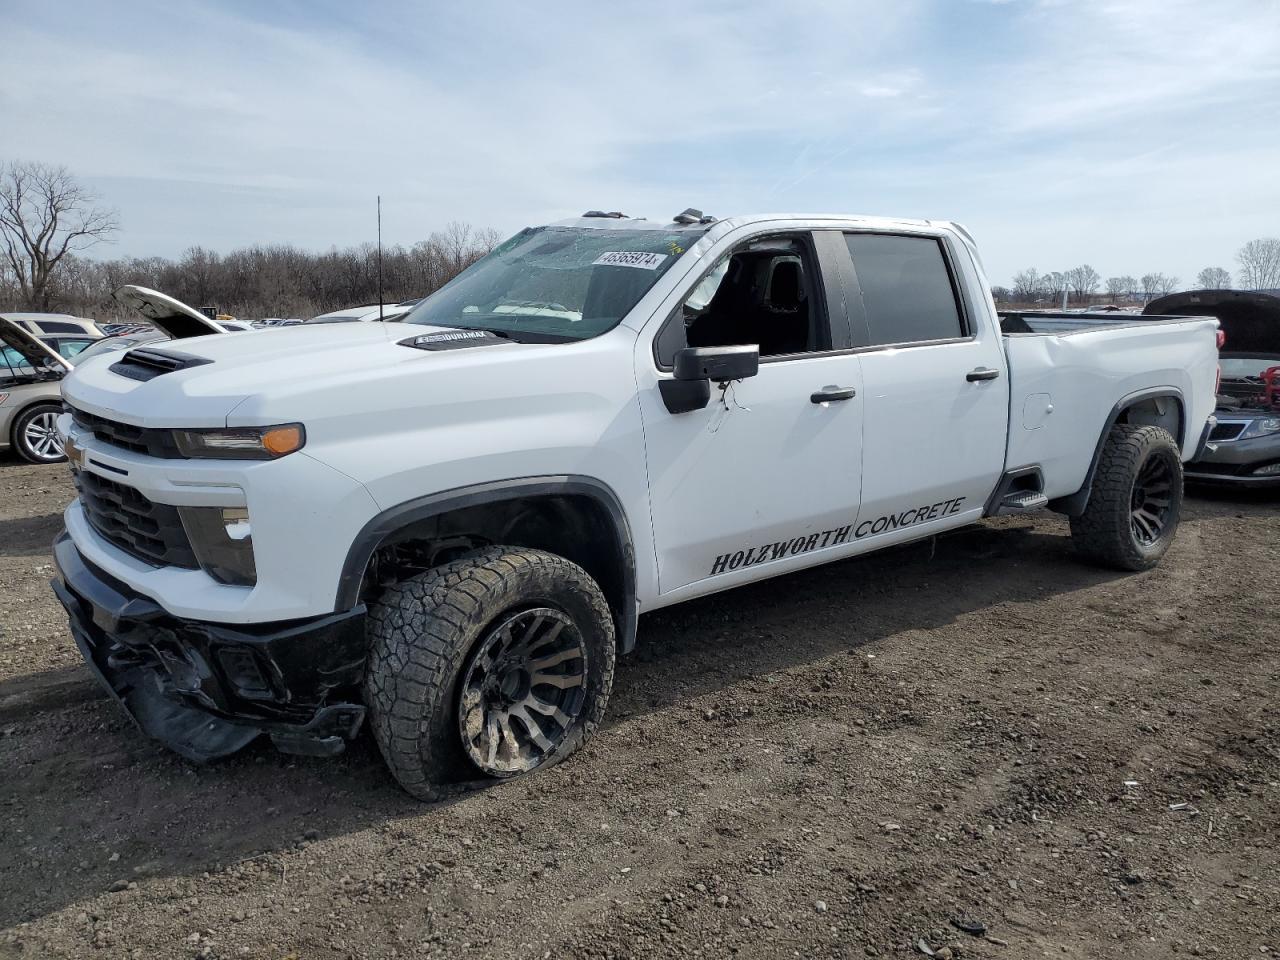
(1067, 372)
(1038, 323)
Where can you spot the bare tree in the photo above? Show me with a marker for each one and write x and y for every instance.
(1214, 278)
(1083, 281)
(487, 238)
(1260, 264)
(1157, 285)
(457, 241)
(1026, 285)
(1118, 287)
(45, 214)
(1054, 283)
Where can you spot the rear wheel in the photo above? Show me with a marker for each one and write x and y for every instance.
(1135, 502)
(35, 434)
(490, 666)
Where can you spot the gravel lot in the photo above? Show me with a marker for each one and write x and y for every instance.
(836, 764)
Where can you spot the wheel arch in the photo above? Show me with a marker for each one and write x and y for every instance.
(1140, 407)
(577, 517)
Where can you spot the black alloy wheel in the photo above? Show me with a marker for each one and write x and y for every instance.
(522, 691)
(1151, 500)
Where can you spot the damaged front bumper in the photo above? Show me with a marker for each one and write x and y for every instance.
(206, 690)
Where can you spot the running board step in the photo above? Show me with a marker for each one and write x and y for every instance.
(1024, 500)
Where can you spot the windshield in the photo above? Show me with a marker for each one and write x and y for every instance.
(552, 284)
(1238, 368)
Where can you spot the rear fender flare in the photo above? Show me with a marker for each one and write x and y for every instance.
(1073, 504)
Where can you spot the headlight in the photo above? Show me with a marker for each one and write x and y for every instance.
(222, 541)
(242, 443)
(1261, 427)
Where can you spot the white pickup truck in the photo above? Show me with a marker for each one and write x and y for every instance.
(450, 524)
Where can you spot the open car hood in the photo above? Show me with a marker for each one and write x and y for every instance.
(1250, 321)
(34, 350)
(169, 315)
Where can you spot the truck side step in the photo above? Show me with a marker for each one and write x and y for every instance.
(1023, 500)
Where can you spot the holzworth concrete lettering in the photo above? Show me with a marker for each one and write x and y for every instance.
(834, 537)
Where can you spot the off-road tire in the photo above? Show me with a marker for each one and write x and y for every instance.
(1105, 532)
(20, 440)
(422, 632)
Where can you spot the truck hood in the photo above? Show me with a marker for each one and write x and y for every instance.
(200, 381)
(169, 315)
(34, 350)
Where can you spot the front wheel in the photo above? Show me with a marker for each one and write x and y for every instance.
(1135, 501)
(491, 666)
(35, 434)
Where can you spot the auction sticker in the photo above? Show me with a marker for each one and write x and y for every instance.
(630, 258)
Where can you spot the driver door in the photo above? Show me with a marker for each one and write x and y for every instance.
(767, 475)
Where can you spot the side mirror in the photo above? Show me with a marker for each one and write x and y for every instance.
(717, 363)
(696, 367)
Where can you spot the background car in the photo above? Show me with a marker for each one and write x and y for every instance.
(1244, 447)
(55, 323)
(31, 373)
(32, 365)
(390, 312)
(168, 318)
(69, 346)
(139, 334)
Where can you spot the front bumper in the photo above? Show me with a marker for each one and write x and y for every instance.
(1229, 479)
(1233, 462)
(206, 690)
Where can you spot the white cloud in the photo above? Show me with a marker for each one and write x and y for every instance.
(1061, 132)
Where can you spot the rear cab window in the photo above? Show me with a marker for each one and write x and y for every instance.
(908, 290)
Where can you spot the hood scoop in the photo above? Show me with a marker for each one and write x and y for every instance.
(453, 340)
(145, 364)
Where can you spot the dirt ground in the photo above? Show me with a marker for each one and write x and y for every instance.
(838, 763)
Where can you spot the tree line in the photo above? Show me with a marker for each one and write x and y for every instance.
(1259, 270)
(276, 280)
(47, 220)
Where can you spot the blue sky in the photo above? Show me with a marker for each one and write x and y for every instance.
(1135, 135)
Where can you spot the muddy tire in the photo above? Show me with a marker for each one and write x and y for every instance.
(1135, 502)
(488, 667)
(35, 436)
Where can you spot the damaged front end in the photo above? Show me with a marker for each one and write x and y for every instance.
(206, 690)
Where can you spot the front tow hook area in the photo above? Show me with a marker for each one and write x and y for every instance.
(206, 690)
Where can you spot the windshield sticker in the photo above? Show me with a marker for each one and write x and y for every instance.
(630, 258)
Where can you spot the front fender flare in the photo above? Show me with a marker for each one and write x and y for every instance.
(386, 523)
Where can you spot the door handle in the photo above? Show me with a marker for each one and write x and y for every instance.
(831, 394)
(982, 373)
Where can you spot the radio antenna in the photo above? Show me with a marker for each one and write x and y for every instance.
(379, 256)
